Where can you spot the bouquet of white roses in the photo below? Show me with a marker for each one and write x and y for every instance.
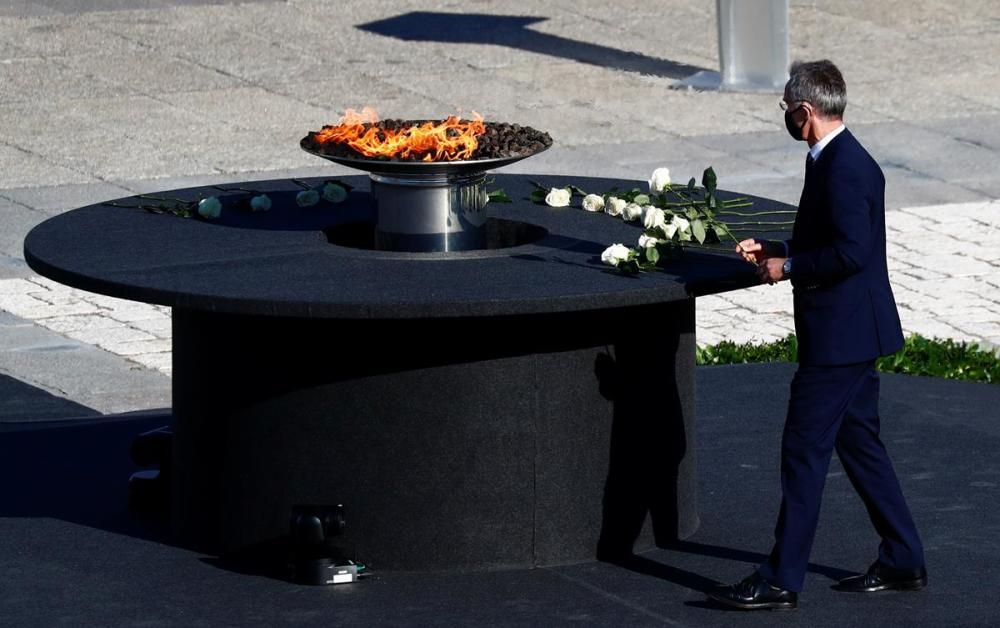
(672, 216)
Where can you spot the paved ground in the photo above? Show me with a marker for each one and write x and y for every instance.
(98, 102)
(73, 555)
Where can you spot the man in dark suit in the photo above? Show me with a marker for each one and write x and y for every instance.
(845, 318)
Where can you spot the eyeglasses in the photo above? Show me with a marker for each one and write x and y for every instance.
(787, 106)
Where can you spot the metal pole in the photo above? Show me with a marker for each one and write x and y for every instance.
(753, 48)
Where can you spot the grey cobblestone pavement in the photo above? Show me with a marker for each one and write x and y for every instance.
(98, 102)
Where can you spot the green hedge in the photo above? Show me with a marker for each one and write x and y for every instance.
(920, 356)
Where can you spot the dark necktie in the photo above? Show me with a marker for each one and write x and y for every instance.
(810, 162)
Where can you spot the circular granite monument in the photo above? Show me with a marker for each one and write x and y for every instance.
(520, 404)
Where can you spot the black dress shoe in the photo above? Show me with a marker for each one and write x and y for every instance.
(754, 593)
(882, 578)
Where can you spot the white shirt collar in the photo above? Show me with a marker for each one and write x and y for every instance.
(818, 147)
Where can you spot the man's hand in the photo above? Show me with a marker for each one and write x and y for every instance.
(756, 251)
(771, 270)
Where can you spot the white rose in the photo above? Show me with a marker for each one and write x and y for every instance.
(646, 241)
(669, 230)
(615, 206)
(307, 198)
(632, 208)
(557, 197)
(632, 212)
(260, 203)
(682, 226)
(615, 254)
(659, 180)
(593, 202)
(210, 208)
(654, 217)
(334, 193)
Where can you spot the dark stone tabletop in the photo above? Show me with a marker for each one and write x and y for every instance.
(281, 262)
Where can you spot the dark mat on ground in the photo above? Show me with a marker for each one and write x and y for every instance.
(72, 554)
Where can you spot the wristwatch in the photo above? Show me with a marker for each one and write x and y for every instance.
(787, 267)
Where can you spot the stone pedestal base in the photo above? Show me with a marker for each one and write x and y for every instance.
(451, 443)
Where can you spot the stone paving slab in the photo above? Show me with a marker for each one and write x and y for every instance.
(51, 200)
(27, 169)
(137, 331)
(86, 374)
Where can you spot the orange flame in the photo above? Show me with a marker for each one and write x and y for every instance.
(450, 140)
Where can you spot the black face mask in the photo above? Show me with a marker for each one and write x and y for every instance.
(793, 129)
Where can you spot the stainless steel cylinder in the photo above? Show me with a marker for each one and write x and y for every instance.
(430, 212)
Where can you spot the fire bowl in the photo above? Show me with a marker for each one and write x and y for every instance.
(426, 206)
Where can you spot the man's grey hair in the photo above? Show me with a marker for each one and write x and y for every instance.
(820, 84)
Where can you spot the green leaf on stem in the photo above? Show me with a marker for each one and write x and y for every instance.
(721, 229)
(575, 190)
(698, 230)
(629, 267)
(709, 180)
(691, 185)
(652, 255)
(499, 196)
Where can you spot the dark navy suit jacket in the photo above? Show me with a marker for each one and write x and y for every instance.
(844, 309)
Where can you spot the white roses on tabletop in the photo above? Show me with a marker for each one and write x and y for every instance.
(558, 197)
(307, 198)
(237, 199)
(593, 202)
(647, 241)
(673, 217)
(631, 209)
(334, 192)
(616, 254)
(659, 180)
(654, 217)
(260, 203)
(682, 226)
(632, 212)
(615, 206)
(210, 208)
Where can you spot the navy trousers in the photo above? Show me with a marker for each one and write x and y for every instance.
(836, 406)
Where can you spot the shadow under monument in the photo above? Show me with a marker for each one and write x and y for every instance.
(514, 31)
(22, 403)
(66, 461)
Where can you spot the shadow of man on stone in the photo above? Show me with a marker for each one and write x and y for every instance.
(651, 458)
(651, 454)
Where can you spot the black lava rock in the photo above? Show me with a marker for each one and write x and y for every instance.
(500, 140)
